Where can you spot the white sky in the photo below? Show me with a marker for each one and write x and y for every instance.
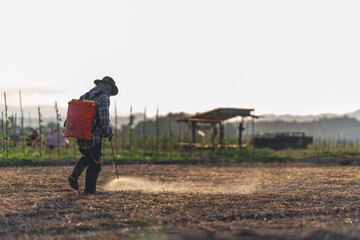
(297, 57)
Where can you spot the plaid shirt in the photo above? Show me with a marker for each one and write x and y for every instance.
(101, 116)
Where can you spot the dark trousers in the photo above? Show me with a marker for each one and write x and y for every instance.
(93, 156)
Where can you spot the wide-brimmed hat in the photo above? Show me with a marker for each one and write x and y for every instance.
(108, 80)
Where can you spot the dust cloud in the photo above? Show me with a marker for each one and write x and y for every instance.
(138, 184)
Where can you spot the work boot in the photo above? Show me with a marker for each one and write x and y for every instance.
(78, 169)
(90, 181)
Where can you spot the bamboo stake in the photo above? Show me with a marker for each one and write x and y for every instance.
(12, 129)
(157, 137)
(130, 130)
(144, 133)
(179, 139)
(57, 128)
(22, 125)
(252, 137)
(40, 131)
(170, 135)
(6, 126)
(2, 132)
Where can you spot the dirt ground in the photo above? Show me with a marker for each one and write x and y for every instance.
(259, 201)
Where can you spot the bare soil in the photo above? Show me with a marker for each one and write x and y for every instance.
(239, 201)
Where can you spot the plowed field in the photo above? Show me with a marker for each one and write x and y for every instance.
(272, 201)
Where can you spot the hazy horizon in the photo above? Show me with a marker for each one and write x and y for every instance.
(278, 57)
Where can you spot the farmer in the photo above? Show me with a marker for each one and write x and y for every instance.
(91, 149)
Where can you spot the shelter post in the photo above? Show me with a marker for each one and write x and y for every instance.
(214, 135)
(193, 132)
(241, 129)
(222, 135)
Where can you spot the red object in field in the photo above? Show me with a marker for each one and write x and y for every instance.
(79, 120)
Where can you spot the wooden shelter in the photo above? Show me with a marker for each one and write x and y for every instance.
(216, 117)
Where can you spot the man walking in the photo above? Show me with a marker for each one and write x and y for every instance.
(91, 149)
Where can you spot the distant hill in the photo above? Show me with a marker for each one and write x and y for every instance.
(325, 128)
(306, 118)
(301, 118)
